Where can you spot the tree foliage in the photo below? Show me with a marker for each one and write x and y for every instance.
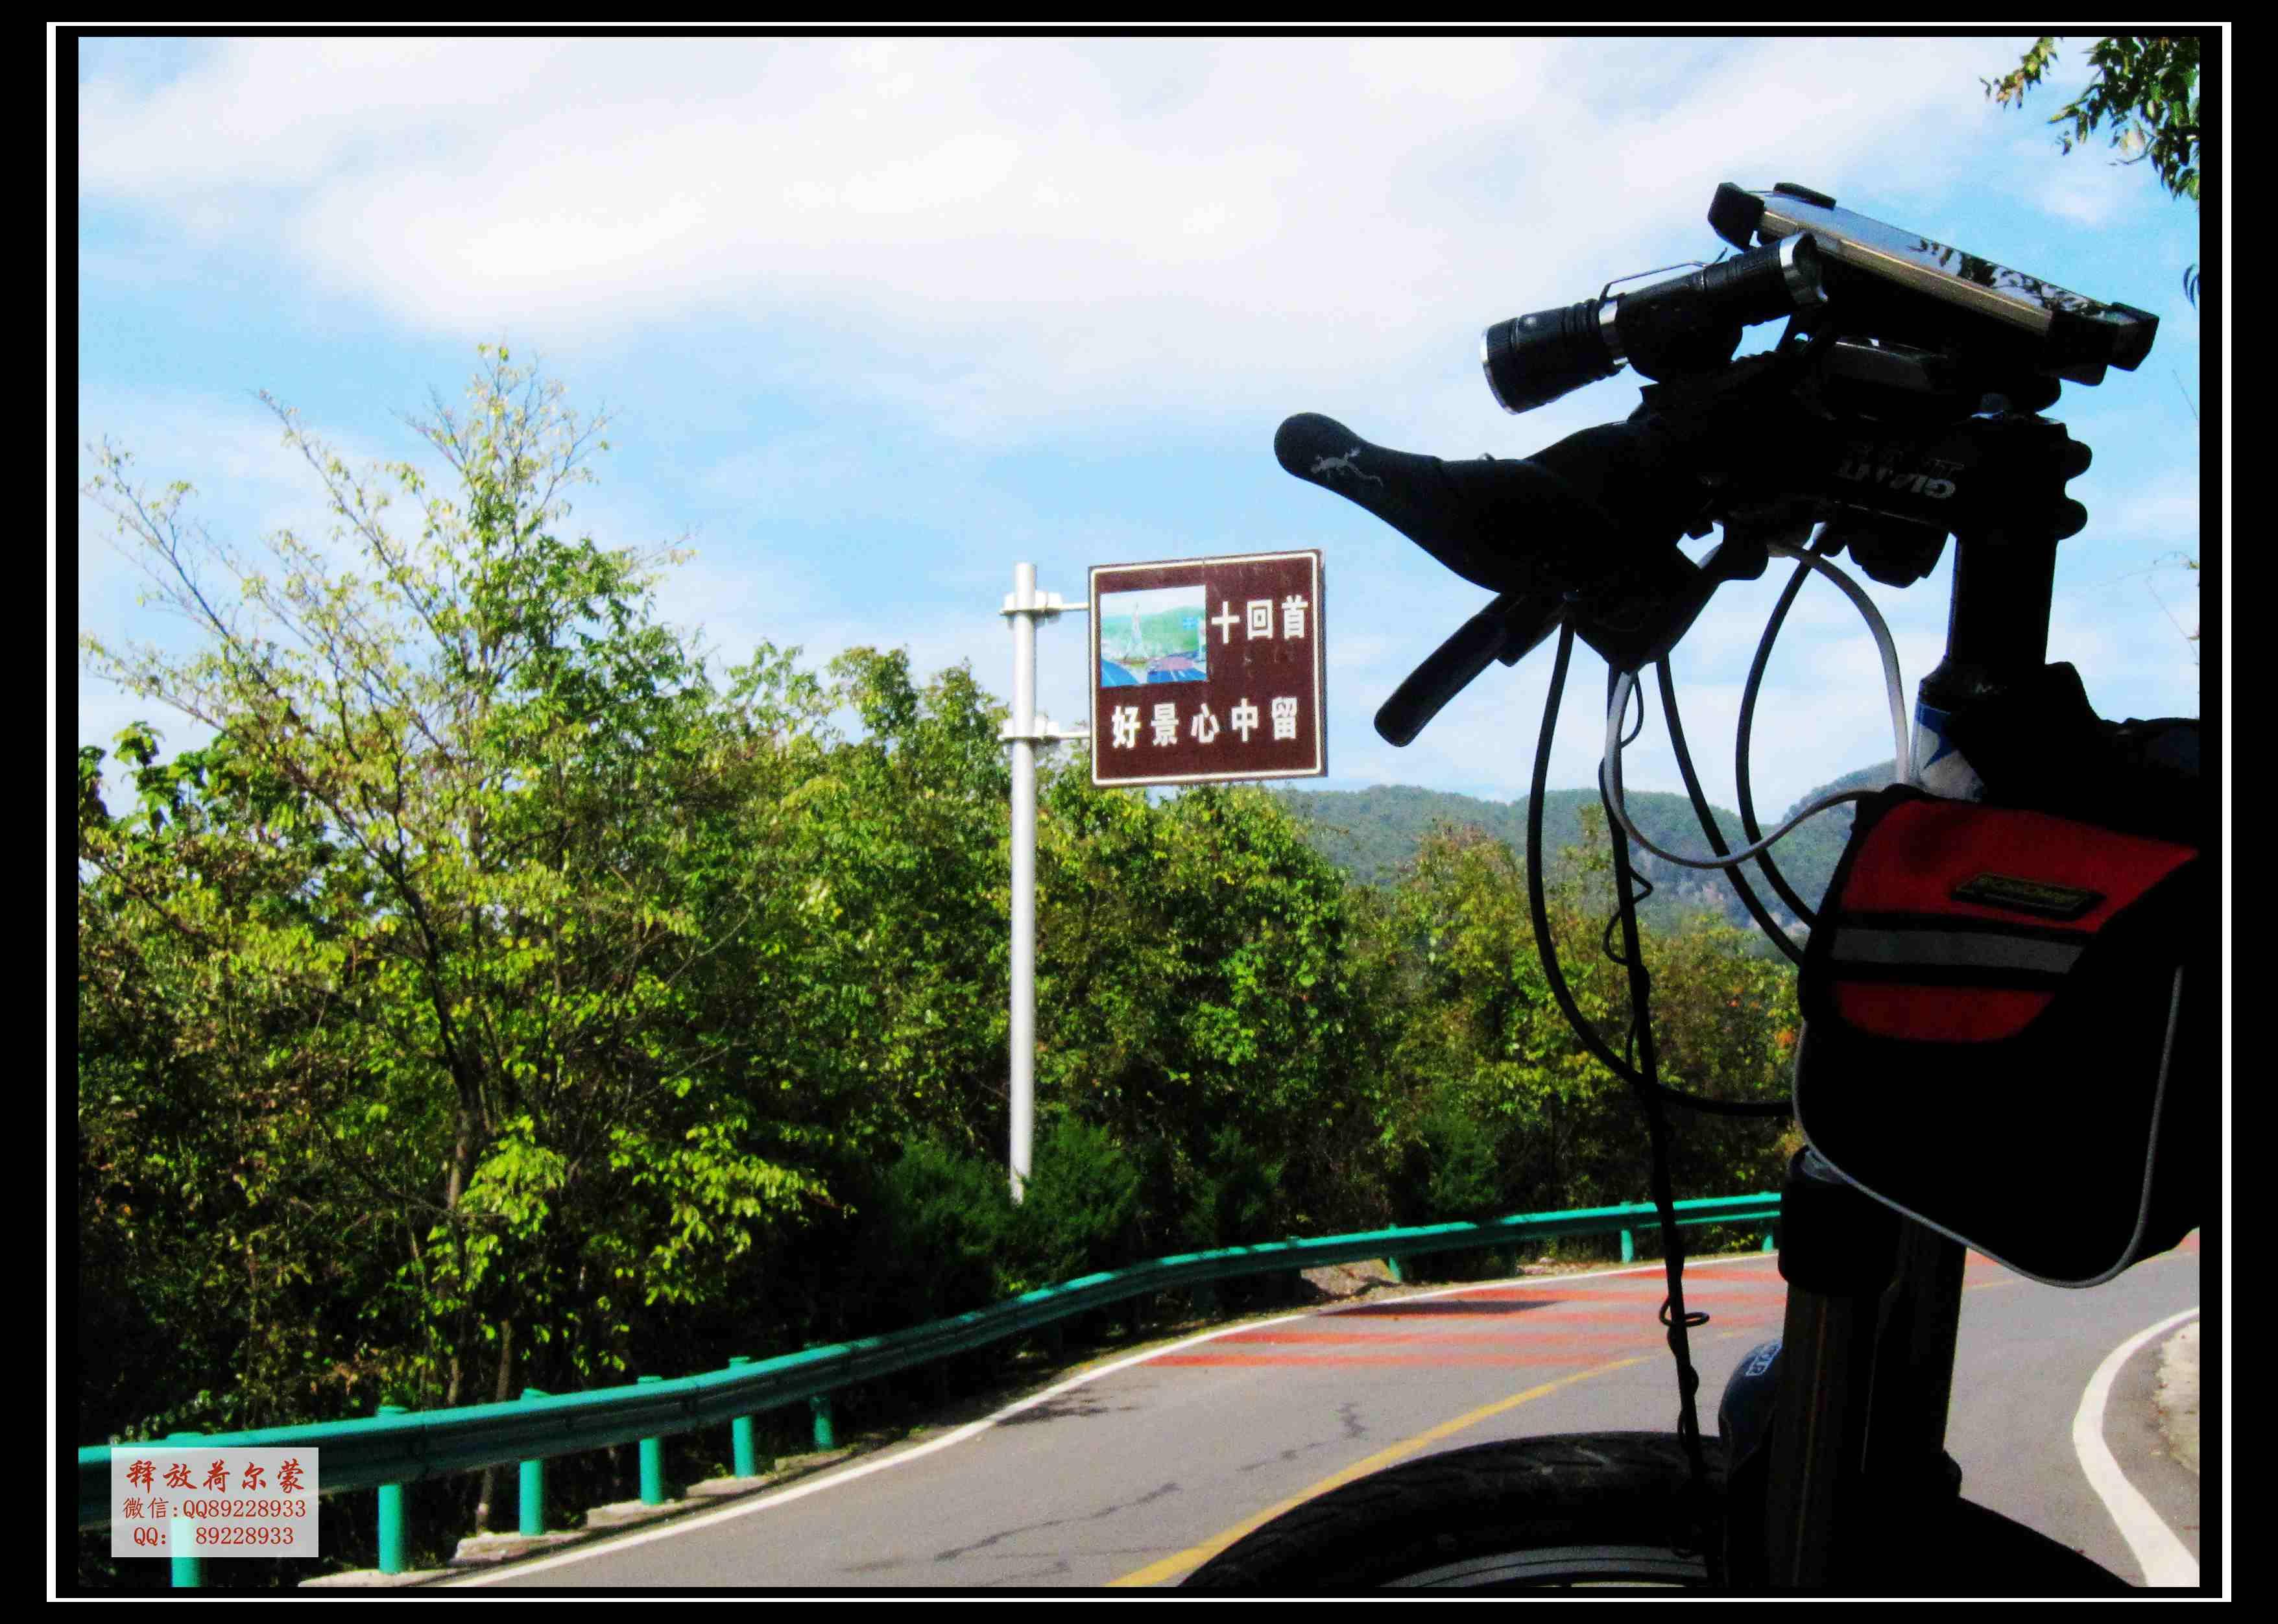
(457, 874)
(2144, 96)
(503, 996)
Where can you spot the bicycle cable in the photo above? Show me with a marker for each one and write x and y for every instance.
(1771, 928)
(1629, 888)
(1539, 915)
(1902, 744)
(1744, 733)
(1673, 1314)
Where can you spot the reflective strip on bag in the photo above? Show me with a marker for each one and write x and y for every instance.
(1952, 950)
(1931, 983)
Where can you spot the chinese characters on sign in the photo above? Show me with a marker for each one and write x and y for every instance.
(1208, 669)
(196, 1499)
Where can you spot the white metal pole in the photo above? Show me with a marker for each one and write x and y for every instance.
(1024, 869)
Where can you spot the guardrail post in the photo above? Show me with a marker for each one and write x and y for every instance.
(1392, 1268)
(1771, 1240)
(531, 1499)
(1629, 1248)
(651, 1458)
(390, 1513)
(826, 1436)
(190, 1568)
(740, 1433)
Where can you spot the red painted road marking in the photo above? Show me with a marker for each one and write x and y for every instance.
(1611, 1337)
(1517, 1326)
(1524, 1325)
(1501, 1361)
(1508, 1327)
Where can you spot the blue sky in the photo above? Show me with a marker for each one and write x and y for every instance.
(880, 318)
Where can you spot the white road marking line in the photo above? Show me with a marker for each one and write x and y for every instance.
(830, 1479)
(2157, 1550)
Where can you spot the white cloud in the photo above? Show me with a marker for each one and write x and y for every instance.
(1011, 230)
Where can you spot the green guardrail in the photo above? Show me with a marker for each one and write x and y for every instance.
(395, 1446)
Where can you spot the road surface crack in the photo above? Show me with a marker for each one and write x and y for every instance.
(982, 1544)
(1347, 1415)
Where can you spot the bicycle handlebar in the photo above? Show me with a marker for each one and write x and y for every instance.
(1586, 530)
(1585, 527)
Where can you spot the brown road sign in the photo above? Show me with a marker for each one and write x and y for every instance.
(1205, 669)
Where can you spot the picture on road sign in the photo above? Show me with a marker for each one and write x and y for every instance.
(1154, 637)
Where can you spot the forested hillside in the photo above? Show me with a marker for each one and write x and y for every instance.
(1372, 834)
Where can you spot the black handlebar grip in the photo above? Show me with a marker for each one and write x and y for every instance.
(1493, 522)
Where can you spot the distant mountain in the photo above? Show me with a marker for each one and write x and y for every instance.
(1373, 834)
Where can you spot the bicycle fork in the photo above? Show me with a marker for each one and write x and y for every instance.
(1837, 1431)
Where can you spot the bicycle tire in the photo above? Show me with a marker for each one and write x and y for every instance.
(1523, 1514)
(1590, 1509)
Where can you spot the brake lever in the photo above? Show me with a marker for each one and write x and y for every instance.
(1507, 629)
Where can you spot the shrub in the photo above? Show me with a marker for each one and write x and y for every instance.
(1079, 1212)
(1448, 1169)
(1233, 1199)
(938, 1236)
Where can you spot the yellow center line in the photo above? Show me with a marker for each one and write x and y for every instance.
(1194, 1556)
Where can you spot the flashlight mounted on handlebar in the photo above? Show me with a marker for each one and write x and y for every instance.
(1897, 408)
(1688, 323)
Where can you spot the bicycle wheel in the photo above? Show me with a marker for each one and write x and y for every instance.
(1590, 1509)
(1596, 1508)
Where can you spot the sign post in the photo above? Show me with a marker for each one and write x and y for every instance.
(1025, 730)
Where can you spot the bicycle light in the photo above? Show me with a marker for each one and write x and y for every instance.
(1688, 322)
(1531, 361)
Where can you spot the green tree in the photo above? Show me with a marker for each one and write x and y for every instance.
(2144, 95)
(463, 866)
(1079, 1212)
(896, 848)
(222, 1039)
(1486, 1042)
(1487, 1037)
(1193, 956)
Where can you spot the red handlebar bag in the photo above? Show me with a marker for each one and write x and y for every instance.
(2010, 1034)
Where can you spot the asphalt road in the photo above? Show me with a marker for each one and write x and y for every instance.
(1137, 1470)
